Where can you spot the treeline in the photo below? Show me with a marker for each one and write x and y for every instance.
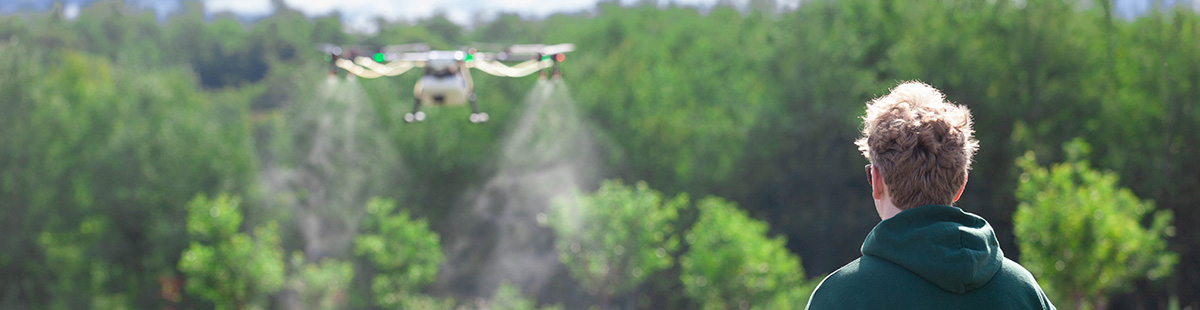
(114, 123)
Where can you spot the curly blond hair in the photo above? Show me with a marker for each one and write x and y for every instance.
(921, 144)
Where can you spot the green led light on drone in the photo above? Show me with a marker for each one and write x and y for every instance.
(545, 57)
(378, 57)
(469, 57)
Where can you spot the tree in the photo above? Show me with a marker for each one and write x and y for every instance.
(101, 163)
(732, 264)
(224, 266)
(612, 240)
(404, 252)
(1081, 235)
(648, 77)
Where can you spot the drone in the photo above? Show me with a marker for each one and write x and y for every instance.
(446, 80)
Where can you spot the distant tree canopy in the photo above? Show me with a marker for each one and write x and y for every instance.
(113, 121)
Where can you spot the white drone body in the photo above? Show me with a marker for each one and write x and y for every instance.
(446, 80)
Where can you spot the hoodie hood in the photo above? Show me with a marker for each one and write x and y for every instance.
(953, 249)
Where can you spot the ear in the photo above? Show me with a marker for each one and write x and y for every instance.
(878, 189)
(961, 188)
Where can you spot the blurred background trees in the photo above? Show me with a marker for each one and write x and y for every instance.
(115, 119)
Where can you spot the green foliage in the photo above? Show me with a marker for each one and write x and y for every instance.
(1082, 236)
(106, 156)
(79, 272)
(320, 286)
(615, 238)
(226, 267)
(508, 297)
(731, 263)
(675, 82)
(405, 253)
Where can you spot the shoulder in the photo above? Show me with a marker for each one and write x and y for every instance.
(874, 283)
(1017, 282)
(838, 278)
(1015, 270)
(1013, 276)
(833, 286)
(859, 284)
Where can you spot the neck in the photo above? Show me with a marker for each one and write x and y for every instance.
(886, 208)
(883, 199)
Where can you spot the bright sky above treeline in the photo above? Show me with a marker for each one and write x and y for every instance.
(361, 14)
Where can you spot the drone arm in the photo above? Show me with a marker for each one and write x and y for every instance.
(356, 70)
(522, 69)
(466, 71)
(393, 68)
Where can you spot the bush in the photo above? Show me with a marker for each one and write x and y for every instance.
(404, 252)
(732, 264)
(320, 286)
(612, 240)
(1082, 236)
(226, 267)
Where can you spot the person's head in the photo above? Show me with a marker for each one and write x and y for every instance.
(919, 145)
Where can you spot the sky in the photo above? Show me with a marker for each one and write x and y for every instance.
(360, 14)
(459, 11)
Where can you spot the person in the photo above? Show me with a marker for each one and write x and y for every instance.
(925, 253)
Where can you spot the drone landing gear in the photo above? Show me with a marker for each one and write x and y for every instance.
(476, 117)
(416, 115)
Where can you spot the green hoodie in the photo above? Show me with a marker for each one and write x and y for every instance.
(931, 257)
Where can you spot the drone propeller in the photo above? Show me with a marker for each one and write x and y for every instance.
(402, 48)
(485, 46)
(329, 49)
(408, 56)
(557, 49)
(346, 52)
(525, 48)
(532, 52)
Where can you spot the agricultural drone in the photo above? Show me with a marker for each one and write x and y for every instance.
(446, 80)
